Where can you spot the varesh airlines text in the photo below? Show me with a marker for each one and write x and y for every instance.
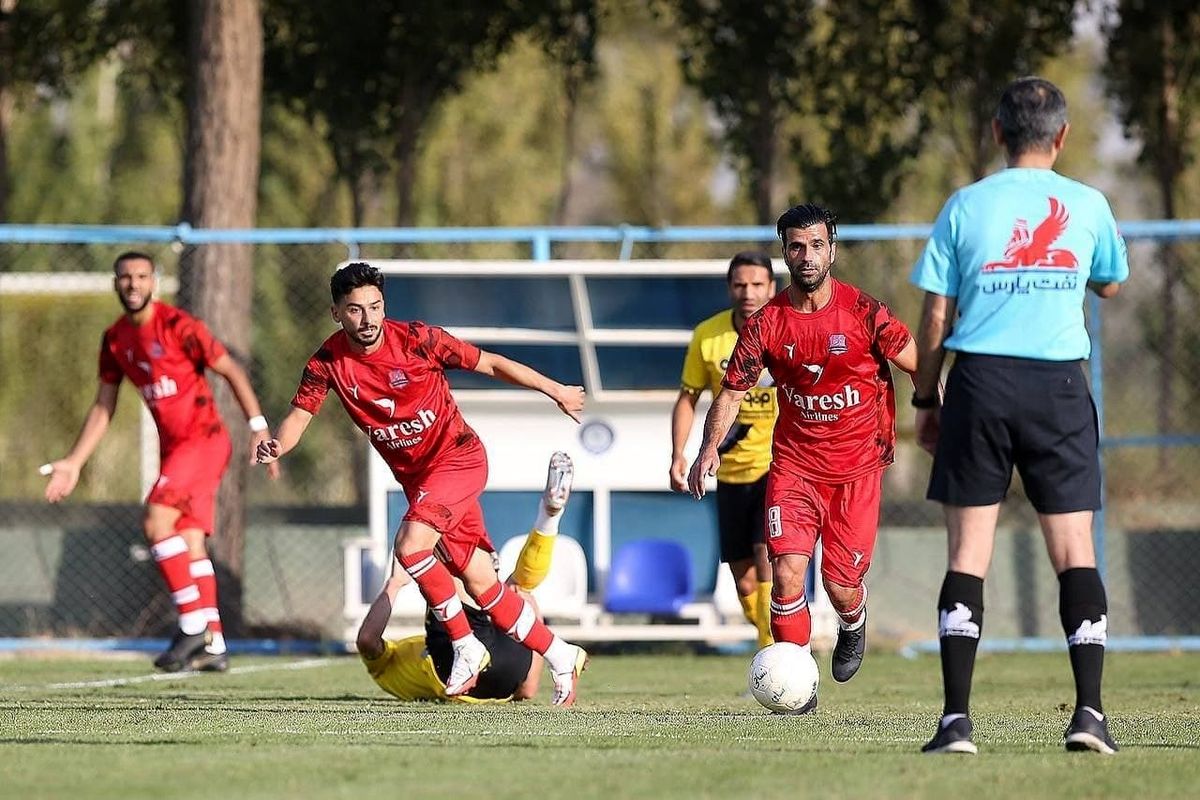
(815, 407)
(404, 434)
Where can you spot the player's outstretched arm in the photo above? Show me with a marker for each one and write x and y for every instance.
(568, 398)
(286, 437)
(682, 417)
(64, 473)
(370, 633)
(239, 382)
(720, 416)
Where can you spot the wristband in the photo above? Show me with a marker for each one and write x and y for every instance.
(258, 424)
(924, 402)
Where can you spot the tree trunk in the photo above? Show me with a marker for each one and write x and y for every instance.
(6, 7)
(762, 166)
(5, 107)
(406, 169)
(572, 85)
(225, 49)
(1169, 164)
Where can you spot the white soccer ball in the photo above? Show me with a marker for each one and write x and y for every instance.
(783, 677)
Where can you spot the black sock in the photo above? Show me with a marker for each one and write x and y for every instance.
(960, 621)
(1083, 608)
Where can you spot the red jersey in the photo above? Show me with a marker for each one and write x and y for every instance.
(165, 359)
(398, 395)
(837, 403)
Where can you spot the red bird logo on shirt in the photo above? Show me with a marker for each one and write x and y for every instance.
(1025, 250)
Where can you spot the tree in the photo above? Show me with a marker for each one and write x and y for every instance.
(745, 58)
(973, 51)
(43, 44)
(870, 69)
(376, 73)
(224, 111)
(1153, 75)
(846, 73)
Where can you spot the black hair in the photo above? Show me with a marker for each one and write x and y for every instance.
(1032, 111)
(133, 255)
(354, 276)
(751, 258)
(805, 216)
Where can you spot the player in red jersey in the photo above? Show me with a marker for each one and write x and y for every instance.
(390, 377)
(828, 346)
(164, 351)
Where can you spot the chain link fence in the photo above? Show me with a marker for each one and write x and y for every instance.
(82, 568)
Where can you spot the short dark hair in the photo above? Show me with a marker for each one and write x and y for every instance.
(749, 258)
(1032, 111)
(354, 276)
(805, 216)
(133, 255)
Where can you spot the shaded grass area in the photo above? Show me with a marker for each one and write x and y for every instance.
(647, 726)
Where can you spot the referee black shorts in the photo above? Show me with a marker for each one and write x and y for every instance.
(741, 518)
(1035, 415)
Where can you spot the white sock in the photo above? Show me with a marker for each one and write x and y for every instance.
(546, 522)
(193, 622)
(467, 641)
(560, 656)
(946, 720)
(217, 645)
(852, 626)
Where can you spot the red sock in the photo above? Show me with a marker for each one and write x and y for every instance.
(515, 617)
(790, 621)
(206, 581)
(171, 556)
(853, 612)
(437, 587)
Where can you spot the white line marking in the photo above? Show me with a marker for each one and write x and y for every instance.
(179, 676)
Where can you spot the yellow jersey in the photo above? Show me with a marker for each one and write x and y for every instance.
(746, 451)
(405, 671)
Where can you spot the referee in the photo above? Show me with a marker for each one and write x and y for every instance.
(1004, 274)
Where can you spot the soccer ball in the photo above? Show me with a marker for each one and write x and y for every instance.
(783, 677)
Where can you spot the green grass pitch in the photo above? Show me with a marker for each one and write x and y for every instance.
(655, 726)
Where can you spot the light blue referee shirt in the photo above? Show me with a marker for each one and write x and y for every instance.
(1017, 250)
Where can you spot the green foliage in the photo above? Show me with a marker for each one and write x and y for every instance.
(871, 67)
(837, 81)
(407, 57)
(49, 385)
(974, 50)
(751, 60)
(1153, 75)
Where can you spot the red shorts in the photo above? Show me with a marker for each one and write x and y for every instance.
(844, 515)
(446, 498)
(188, 479)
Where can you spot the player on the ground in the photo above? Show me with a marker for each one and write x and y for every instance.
(390, 377)
(417, 667)
(828, 346)
(1005, 273)
(746, 451)
(164, 351)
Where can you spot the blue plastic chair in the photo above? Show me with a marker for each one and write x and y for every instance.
(649, 576)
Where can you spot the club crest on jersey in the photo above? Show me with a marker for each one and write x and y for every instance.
(837, 343)
(397, 379)
(156, 350)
